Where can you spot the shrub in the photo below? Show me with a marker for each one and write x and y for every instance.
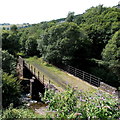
(98, 105)
(8, 62)
(12, 113)
(78, 104)
(62, 103)
(10, 90)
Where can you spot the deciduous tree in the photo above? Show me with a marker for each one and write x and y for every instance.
(31, 46)
(111, 54)
(8, 62)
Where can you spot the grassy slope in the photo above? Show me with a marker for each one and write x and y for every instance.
(58, 77)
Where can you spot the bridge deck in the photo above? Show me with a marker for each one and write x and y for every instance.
(60, 78)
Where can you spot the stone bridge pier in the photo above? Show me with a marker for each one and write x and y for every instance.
(36, 88)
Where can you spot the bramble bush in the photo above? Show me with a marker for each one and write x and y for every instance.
(79, 104)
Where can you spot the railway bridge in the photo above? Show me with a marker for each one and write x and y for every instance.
(37, 82)
(31, 79)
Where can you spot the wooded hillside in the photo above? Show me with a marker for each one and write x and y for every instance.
(90, 41)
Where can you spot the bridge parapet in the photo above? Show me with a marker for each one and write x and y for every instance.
(20, 67)
(36, 85)
(35, 72)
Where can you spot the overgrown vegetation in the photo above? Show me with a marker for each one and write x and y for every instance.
(10, 90)
(8, 62)
(90, 41)
(19, 113)
(78, 104)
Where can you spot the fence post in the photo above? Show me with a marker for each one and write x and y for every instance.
(31, 69)
(49, 84)
(31, 87)
(34, 71)
(49, 81)
(38, 75)
(83, 75)
(75, 72)
(90, 78)
(99, 82)
(29, 66)
(68, 69)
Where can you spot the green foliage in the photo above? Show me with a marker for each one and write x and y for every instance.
(111, 53)
(31, 46)
(5, 35)
(14, 113)
(10, 42)
(100, 23)
(8, 62)
(48, 95)
(10, 90)
(82, 38)
(22, 41)
(70, 17)
(44, 25)
(64, 103)
(78, 19)
(13, 28)
(77, 104)
(105, 74)
(20, 54)
(99, 105)
(60, 43)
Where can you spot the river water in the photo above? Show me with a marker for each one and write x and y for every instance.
(38, 106)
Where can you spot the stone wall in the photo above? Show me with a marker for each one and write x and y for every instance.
(108, 88)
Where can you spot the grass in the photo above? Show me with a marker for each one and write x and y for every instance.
(20, 113)
(61, 76)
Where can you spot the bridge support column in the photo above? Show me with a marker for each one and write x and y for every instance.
(35, 88)
(31, 86)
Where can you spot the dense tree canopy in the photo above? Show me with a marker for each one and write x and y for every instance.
(70, 17)
(75, 40)
(111, 53)
(31, 46)
(23, 40)
(8, 62)
(100, 23)
(78, 40)
(10, 42)
(14, 28)
(60, 43)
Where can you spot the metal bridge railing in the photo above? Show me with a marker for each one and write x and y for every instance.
(72, 70)
(84, 75)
